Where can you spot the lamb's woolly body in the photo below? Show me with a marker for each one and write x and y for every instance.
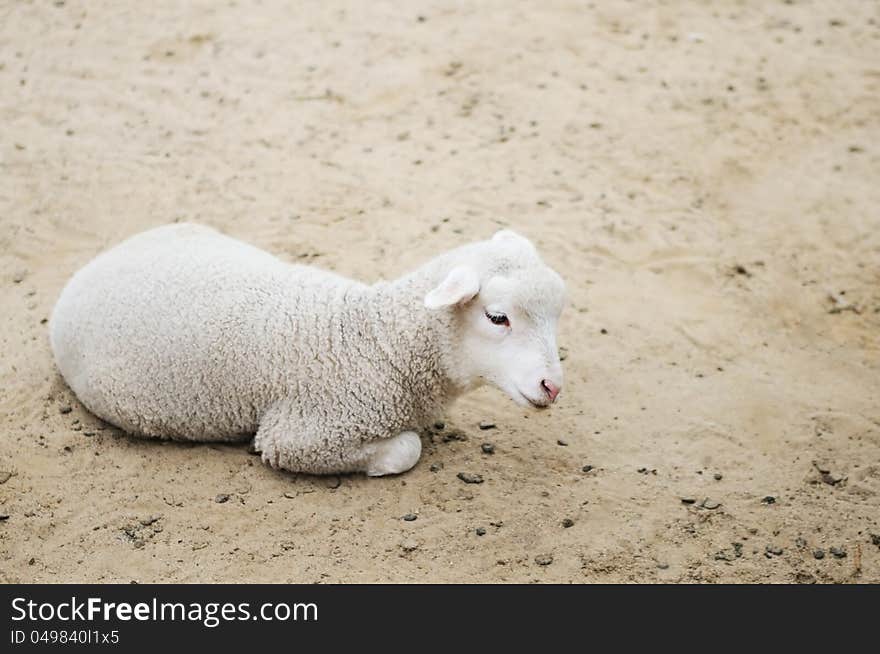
(181, 332)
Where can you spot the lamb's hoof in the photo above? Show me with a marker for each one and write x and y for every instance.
(394, 455)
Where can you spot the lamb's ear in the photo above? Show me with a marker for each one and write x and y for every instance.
(460, 285)
(512, 237)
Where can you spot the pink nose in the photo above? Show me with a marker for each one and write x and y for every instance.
(551, 389)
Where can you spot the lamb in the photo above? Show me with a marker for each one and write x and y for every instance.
(183, 333)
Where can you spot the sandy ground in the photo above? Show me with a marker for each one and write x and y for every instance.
(704, 175)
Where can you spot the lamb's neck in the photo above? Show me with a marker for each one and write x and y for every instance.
(416, 330)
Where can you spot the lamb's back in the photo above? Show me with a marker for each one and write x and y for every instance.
(182, 332)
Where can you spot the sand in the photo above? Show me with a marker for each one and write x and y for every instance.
(704, 176)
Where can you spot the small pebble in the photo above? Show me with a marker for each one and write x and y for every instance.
(769, 499)
(875, 539)
(688, 500)
(221, 498)
(544, 559)
(772, 550)
(470, 478)
(487, 425)
(290, 495)
(65, 409)
(409, 545)
(837, 552)
(409, 517)
(439, 426)
(480, 531)
(710, 504)
(487, 448)
(663, 565)
(819, 554)
(567, 522)
(718, 476)
(587, 468)
(436, 467)
(562, 442)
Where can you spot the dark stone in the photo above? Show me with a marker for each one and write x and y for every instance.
(562, 442)
(772, 550)
(487, 448)
(65, 409)
(487, 425)
(769, 499)
(837, 552)
(587, 468)
(480, 531)
(688, 500)
(470, 477)
(544, 559)
(567, 522)
(819, 554)
(710, 504)
(222, 498)
(718, 476)
(875, 539)
(409, 517)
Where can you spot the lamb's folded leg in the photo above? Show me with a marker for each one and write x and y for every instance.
(287, 440)
(391, 456)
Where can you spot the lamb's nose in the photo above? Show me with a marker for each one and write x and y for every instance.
(550, 388)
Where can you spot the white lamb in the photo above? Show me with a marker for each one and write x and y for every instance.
(181, 332)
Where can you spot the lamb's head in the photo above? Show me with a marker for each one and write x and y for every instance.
(505, 305)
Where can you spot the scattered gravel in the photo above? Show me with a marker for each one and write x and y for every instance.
(470, 477)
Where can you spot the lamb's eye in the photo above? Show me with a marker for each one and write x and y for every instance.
(498, 319)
